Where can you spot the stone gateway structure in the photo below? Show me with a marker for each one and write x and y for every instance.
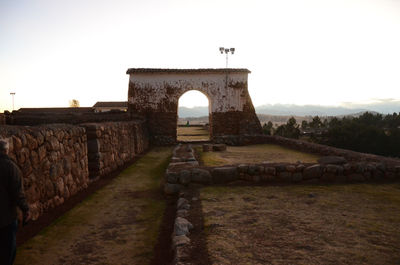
(155, 93)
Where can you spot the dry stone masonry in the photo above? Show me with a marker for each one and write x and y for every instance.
(112, 144)
(183, 158)
(329, 169)
(56, 160)
(156, 92)
(53, 161)
(184, 172)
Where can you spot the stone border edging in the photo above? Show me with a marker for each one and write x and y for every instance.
(282, 173)
(183, 157)
(184, 170)
(304, 146)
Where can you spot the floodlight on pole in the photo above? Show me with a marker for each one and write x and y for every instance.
(12, 95)
(227, 51)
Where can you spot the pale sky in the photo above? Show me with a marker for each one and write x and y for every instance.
(299, 52)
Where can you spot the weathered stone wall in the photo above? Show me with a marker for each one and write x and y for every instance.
(53, 161)
(282, 173)
(112, 144)
(234, 123)
(56, 159)
(184, 169)
(156, 92)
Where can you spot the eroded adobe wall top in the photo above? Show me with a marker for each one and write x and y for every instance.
(202, 70)
(159, 91)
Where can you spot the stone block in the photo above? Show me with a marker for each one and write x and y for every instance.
(182, 204)
(207, 147)
(280, 168)
(201, 176)
(172, 189)
(243, 168)
(184, 177)
(312, 172)
(356, 177)
(336, 160)
(267, 178)
(182, 213)
(334, 169)
(255, 170)
(328, 177)
(270, 170)
(219, 147)
(300, 167)
(390, 175)
(224, 174)
(180, 241)
(182, 226)
(297, 177)
(172, 177)
(285, 176)
(290, 168)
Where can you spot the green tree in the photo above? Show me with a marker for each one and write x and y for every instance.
(289, 130)
(304, 124)
(369, 133)
(316, 123)
(268, 128)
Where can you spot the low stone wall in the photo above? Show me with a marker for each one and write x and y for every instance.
(112, 144)
(184, 170)
(183, 157)
(53, 161)
(304, 146)
(57, 159)
(283, 173)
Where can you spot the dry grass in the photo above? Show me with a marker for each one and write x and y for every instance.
(116, 225)
(256, 154)
(338, 224)
(192, 134)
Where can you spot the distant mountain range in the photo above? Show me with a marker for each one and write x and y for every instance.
(381, 106)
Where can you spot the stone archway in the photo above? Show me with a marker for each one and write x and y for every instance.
(193, 124)
(155, 93)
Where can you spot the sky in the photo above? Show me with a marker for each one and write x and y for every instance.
(298, 51)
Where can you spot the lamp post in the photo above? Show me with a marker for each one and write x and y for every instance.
(227, 51)
(12, 95)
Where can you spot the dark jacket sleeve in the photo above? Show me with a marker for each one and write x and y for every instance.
(16, 188)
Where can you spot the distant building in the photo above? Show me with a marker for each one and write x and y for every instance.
(55, 110)
(104, 106)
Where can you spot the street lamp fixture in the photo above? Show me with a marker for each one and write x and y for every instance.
(12, 95)
(227, 51)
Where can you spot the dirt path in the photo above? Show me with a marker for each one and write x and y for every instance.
(118, 224)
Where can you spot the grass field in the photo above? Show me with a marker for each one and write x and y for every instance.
(192, 134)
(255, 154)
(118, 224)
(337, 224)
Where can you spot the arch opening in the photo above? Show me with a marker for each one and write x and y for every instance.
(194, 110)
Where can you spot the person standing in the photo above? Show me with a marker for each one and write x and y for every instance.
(11, 197)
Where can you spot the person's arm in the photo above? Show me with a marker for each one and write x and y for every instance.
(18, 193)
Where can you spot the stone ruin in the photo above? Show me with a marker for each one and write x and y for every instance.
(62, 150)
(59, 160)
(155, 94)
